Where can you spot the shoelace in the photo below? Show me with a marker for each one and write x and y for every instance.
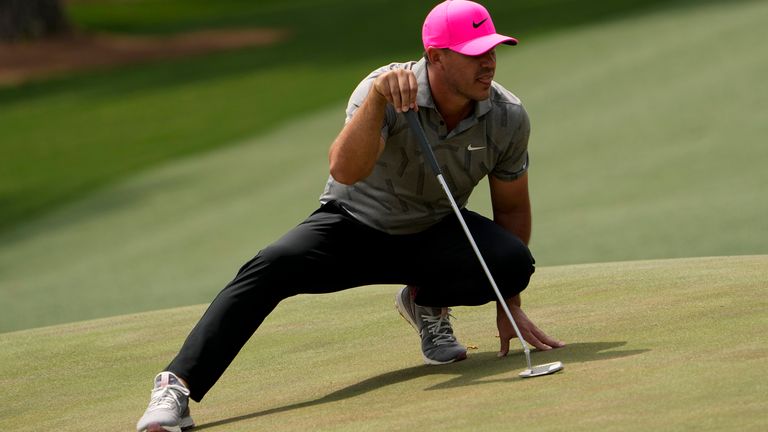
(167, 397)
(439, 326)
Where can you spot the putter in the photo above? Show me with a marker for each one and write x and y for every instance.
(429, 155)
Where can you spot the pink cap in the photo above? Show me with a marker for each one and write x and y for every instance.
(462, 26)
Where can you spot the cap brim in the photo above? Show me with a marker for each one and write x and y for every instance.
(482, 44)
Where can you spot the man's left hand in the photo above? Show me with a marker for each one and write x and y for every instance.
(532, 334)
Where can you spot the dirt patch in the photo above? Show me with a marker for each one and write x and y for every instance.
(22, 62)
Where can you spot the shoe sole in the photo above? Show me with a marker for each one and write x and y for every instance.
(403, 311)
(431, 362)
(185, 424)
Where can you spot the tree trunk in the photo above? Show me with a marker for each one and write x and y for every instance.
(31, 19)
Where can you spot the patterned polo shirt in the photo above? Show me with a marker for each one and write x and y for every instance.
(402, 195)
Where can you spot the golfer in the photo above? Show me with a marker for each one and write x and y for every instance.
(384, 219)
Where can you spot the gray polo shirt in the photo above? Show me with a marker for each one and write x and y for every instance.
(402, 195)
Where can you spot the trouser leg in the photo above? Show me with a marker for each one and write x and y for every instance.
(453, 275)
(328, 252)
(331, 252)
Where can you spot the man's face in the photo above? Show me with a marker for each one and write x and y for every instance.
(470, 76)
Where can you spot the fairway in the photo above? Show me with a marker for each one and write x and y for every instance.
(652, 345)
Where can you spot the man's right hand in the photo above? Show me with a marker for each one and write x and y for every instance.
(354, 152)
(398, 87)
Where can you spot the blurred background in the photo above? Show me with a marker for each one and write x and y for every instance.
(149, 147)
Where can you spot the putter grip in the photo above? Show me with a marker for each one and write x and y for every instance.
(426, 150)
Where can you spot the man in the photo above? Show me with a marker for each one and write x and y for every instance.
(384, 220)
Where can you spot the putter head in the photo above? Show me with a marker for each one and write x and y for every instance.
(540, 370)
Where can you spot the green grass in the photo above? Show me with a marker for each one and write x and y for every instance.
(648, 142)
(650, 152)
(115, 125)
(653, 345)
(66, 138)
(185, 228)
(323, 17)
(648, 136)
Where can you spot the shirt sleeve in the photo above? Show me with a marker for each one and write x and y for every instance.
(514, 161)
(358, 97)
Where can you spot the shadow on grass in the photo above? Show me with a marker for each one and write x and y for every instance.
(474, 371)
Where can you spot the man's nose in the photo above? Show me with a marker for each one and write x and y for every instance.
(488, 60)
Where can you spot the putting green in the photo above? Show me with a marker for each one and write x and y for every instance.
(652, 345)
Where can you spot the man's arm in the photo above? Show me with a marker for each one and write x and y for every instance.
(354, 152)
(512, 210)
(512, 205)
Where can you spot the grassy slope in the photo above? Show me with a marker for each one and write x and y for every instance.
(66, 138)
(653, 345)
(649, 136)
(629, 162)
(177, 232)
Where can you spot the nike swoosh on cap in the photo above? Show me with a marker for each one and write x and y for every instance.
(476, 25)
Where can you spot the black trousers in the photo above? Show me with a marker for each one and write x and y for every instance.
(331, 251)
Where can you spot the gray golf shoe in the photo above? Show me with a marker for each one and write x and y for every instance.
(438, 344)
(168, 408)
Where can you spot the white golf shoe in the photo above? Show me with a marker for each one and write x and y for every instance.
(168, 409)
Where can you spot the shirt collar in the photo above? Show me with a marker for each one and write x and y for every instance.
(424, 96)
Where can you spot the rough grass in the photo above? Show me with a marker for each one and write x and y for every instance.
(652, 345)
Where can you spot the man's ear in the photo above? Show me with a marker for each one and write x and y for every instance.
(434, 55)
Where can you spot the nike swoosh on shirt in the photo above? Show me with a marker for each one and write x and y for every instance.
(470, 148)
(476, 25)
